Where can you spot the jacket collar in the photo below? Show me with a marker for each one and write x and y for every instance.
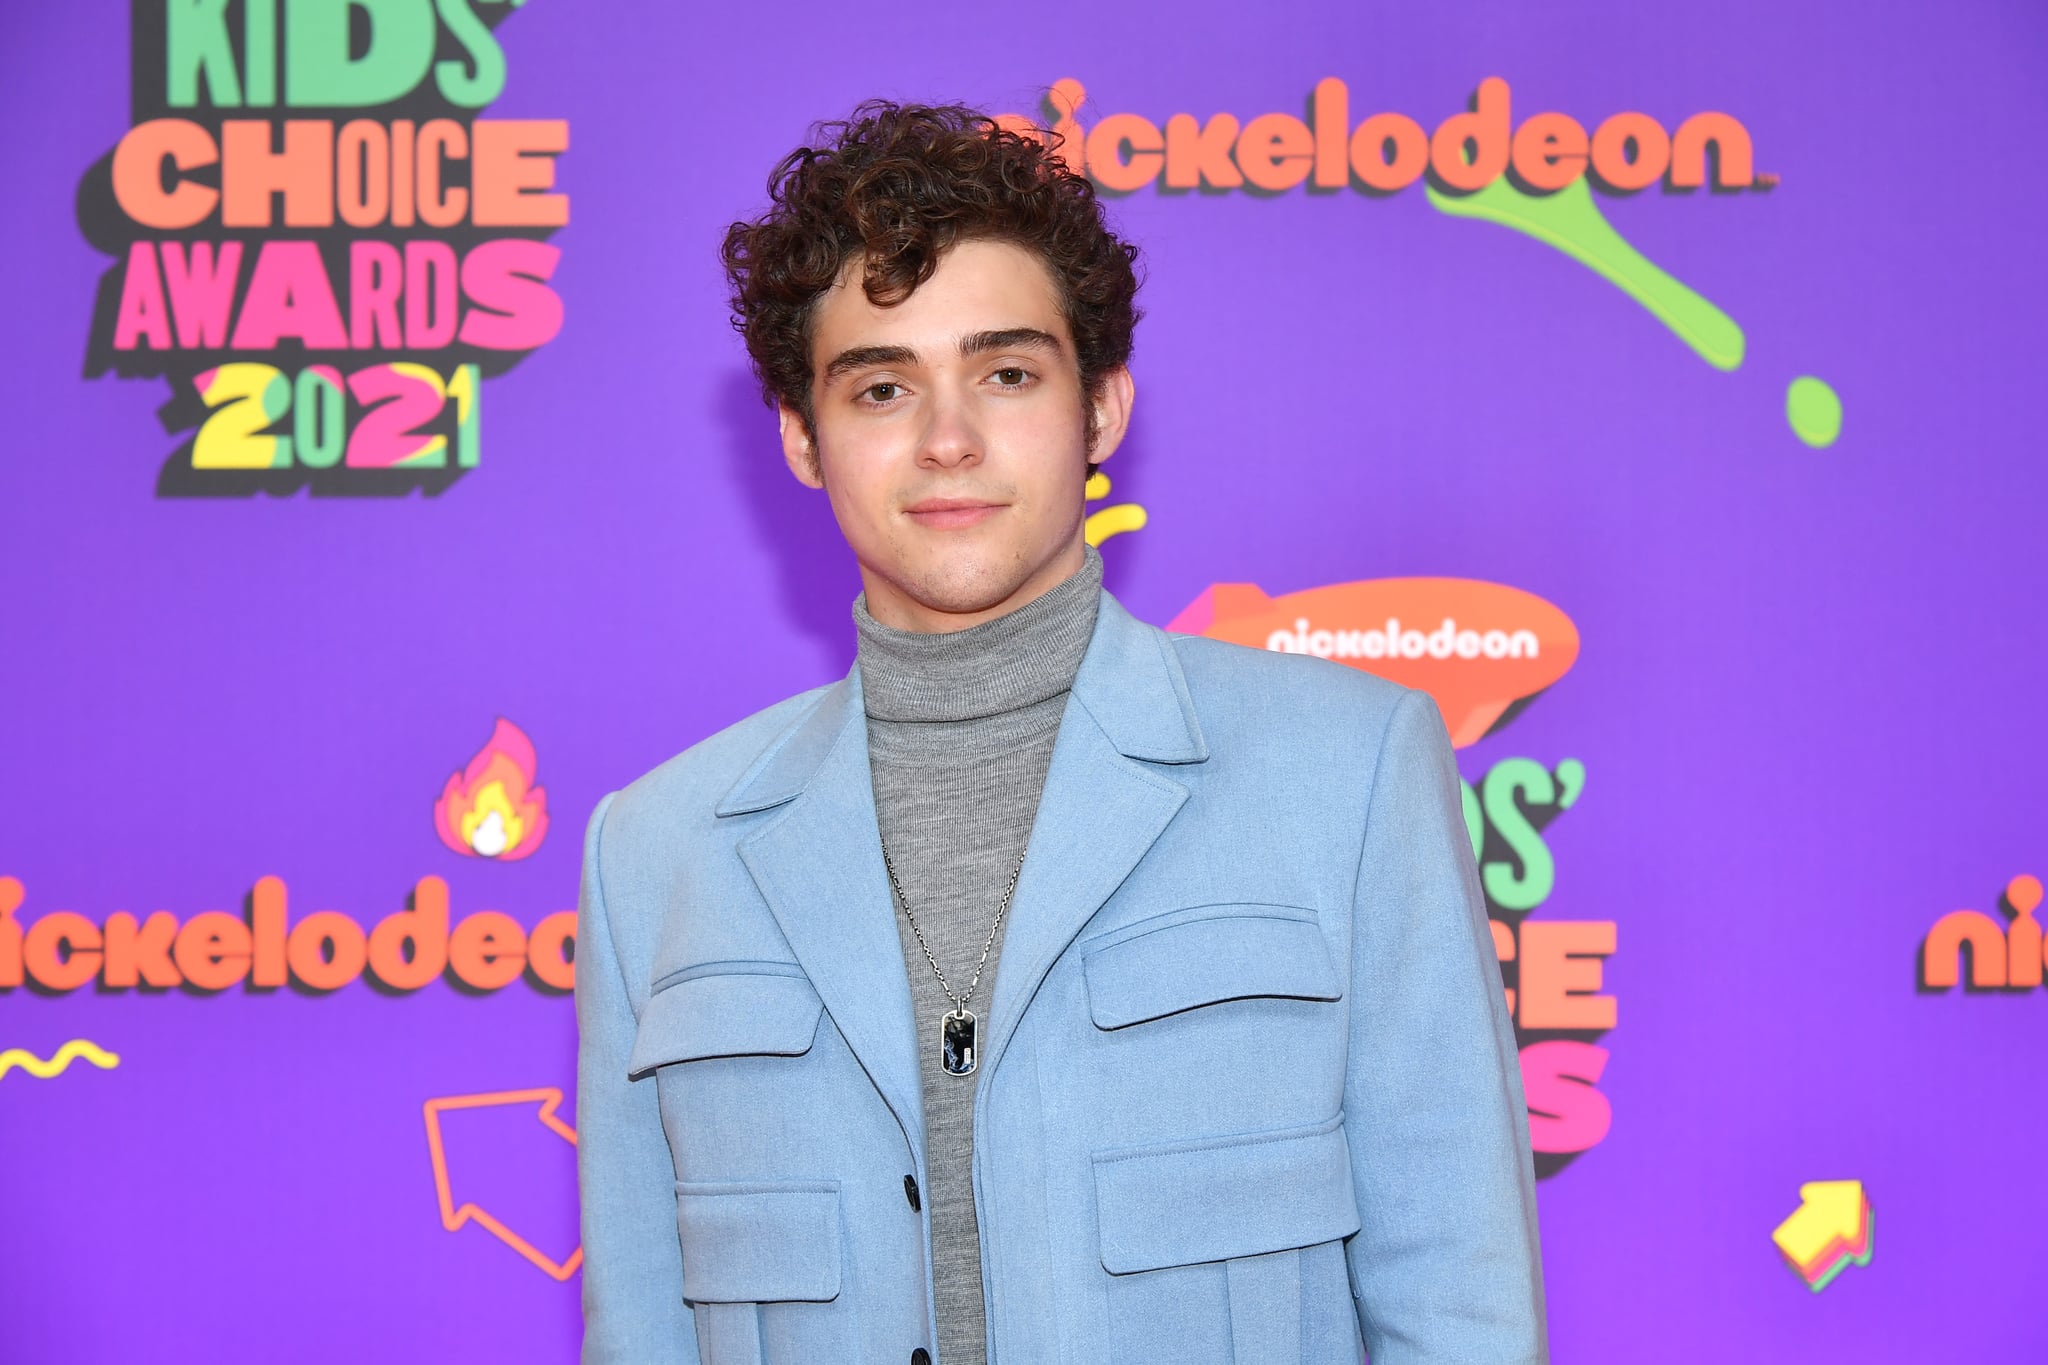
(1129, 681)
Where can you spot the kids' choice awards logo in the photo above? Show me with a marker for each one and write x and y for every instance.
(1483, 651)
(319, 242)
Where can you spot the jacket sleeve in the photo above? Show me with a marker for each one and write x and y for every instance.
(1445, 1265)
(633, 1307)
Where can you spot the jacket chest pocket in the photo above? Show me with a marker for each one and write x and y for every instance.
(730, 1046)
(1230, 1010)
(726, 1009)
(1207, 955)
(1231, 1248)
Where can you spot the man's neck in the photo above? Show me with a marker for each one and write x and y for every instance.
(1005, 663)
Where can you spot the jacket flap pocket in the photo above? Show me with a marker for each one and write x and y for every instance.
(1204, 955)
(759, 1242)
(1186, 1202)
(734, 1010)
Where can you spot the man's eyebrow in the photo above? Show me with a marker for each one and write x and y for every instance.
(856, 357)
(971, 345)
(1008, 339)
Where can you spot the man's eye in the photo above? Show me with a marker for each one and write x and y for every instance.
(1012, 376)
(880, 393)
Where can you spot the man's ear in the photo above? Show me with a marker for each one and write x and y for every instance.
(799, 452)
(1111, 410)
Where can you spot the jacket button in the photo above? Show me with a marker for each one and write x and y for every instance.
(920, 1357)
(910, 1193)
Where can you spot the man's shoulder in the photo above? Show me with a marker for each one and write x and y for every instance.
(1284, 693)
(690, 785)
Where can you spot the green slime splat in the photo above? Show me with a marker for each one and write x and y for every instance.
(1569, 221)
(1814, 410)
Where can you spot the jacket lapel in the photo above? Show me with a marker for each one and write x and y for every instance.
(818, 864)
(1103, 807)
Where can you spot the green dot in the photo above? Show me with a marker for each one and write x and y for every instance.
(1814, 410)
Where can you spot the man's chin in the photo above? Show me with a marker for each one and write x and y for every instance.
(955, 598)
(966, 584)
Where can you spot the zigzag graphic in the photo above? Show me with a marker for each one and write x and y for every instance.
(42, 1070)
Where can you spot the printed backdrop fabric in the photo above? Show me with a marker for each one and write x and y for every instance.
(385, 484)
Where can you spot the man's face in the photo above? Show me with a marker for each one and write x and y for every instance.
(952, 436)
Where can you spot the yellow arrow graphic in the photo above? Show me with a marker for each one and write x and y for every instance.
(1830, 1228)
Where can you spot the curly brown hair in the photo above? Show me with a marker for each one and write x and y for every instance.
(900, 184)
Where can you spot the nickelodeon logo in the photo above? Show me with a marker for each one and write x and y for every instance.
(2012, 955)
(1478, 648)
(1396, 643)
(214, 950)
(1386, 152)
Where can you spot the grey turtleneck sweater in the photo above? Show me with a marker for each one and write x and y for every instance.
(960, 733)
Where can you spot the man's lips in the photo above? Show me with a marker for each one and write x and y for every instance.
(949, 514)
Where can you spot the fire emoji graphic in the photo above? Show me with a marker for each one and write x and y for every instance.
(491, 809)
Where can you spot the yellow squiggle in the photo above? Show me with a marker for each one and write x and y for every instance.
(42, 1070)
(1105, 522)
(1112, 521)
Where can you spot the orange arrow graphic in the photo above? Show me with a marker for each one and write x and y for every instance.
(453, 1217)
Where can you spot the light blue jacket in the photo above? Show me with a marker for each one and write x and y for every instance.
(1248, 1089)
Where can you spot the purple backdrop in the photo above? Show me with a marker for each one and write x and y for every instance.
(1807, 698)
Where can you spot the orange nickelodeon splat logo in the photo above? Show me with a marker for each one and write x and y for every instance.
(2010, 955)
(1478, 648)
(453, 1216)
(492, 809)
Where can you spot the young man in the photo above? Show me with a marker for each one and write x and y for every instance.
(1050, 987)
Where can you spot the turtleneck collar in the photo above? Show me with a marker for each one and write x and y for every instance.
(1015, 661)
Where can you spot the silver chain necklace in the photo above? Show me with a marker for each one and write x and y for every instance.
(958, 1028)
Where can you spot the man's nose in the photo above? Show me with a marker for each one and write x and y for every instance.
(952, 436)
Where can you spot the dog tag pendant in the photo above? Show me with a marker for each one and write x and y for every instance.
(957, 1042)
